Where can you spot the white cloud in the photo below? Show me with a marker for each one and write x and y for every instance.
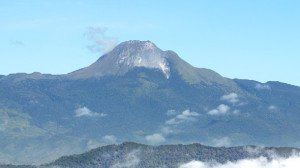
(109, 139)
(171, 112)
(261, 162)
(131, 160)
(194, 164)
(171, 126)
(186, 115)
(231, 98)
(259, 86)
(100, 42)
(92, 144)
(225, 141)
(86, 112)
(166, 130)
(220, 110)
(236, 112)
(272, 108)
(155, 138)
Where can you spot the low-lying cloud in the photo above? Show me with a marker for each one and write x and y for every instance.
(86, 112)
(261, 162)
(220, 110)
(231, 98)
(171, 125)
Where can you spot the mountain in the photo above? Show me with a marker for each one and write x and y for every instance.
(135, 155)
(138, 92)
(136, 54)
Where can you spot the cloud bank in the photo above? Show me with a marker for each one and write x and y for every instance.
(261, 162)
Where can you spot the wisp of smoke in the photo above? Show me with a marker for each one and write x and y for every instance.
(100, 41)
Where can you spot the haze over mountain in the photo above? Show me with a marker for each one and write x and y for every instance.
(137, 92)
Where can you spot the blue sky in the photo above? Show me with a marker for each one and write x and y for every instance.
(249, 39)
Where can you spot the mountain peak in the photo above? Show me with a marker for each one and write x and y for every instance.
(137, 44)
(134, 48)
(126, 56)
